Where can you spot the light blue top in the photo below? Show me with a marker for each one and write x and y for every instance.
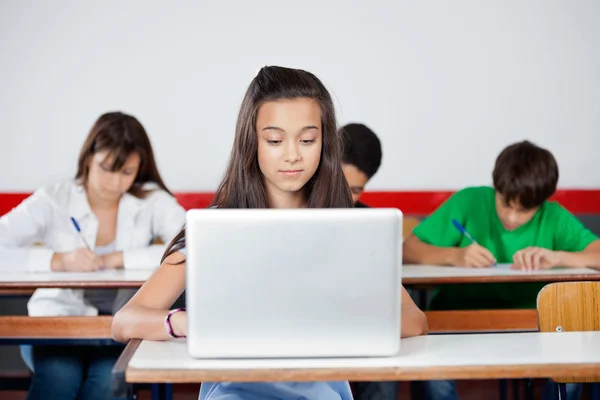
(275, 390)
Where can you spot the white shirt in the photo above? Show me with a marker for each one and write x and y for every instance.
(45, 217)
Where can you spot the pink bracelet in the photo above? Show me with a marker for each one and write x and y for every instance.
(168, 326)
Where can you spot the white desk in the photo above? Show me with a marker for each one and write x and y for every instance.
(411, 274)
(473, 356)
(113, 279)
(435, 275)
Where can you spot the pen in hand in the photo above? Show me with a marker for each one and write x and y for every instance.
(78, 229)
(464, 232)
(76, 225)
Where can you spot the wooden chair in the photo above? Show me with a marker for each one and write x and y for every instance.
(408, 224)
(569, 307)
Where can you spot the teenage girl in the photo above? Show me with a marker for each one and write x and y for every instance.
(286, 154)
(119, 203)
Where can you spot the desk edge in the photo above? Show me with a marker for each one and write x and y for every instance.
(118, 378)
(136, 375)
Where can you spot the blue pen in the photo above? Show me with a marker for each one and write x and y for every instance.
(462, 230)
(74, 221)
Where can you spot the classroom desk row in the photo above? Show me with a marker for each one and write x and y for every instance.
(411, 275)
(420, 277)
(23, 329)
(14, 327)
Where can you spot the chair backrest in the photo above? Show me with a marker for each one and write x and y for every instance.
(570, 307)
(408, 224)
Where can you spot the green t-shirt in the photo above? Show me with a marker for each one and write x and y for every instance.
(552, 227)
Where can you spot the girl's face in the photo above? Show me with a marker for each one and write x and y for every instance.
(289, 144)
(107, 185)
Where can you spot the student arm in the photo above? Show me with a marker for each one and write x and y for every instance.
(589, 257)
(418, 252)
(574, 247)
(415, 251)
(20, 229)
(26, 225)
(414, 321)
(143, 316)
(578, 246)
(534, 258)
(435, 240)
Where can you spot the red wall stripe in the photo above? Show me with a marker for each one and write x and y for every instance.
(410, 202)
(577, 201)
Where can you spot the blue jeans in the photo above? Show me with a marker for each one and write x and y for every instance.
(551, 391)
(73, 372)
(27, 355)
(438, 390)
(446, 390)
(376, 390)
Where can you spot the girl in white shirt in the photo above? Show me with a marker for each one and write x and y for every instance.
(121, 205)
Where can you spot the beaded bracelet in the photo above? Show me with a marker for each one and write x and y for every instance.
(168, 326)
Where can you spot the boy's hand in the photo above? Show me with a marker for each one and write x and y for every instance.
(474, 256)
(534, 258)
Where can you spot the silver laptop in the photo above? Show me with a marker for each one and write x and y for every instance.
(266, 283)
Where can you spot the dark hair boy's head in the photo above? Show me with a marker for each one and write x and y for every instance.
(526, 174)
(362, 148)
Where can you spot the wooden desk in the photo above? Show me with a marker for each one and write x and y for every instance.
(438, 275)
(440, 321)
(479, 321)
(26, 328)
(112, 279)
(473, 356)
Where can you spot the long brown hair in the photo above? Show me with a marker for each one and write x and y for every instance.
(243, 183)
(121, 135)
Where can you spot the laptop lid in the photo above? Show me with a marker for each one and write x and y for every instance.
(293, 282)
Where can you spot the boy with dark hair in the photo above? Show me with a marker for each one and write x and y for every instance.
(361, 158)
(513, 222)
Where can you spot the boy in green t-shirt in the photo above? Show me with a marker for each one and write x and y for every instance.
(513, 222)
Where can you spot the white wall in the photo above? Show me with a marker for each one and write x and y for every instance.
(445, 84)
